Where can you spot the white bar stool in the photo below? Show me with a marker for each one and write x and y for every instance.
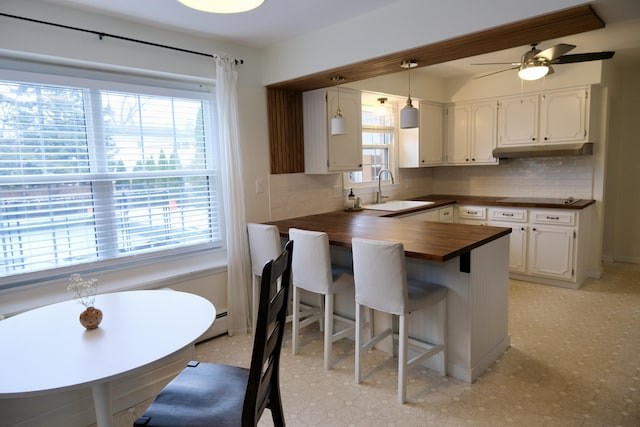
(313, 272)
(264, 246)
(381, 284)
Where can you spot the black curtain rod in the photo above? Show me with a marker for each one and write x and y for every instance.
(101, 35)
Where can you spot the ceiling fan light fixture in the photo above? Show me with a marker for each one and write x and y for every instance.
(222, 6)
(533, 71)
(409, 116)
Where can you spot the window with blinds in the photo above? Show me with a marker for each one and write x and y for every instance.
(88, 175)
(378, 134)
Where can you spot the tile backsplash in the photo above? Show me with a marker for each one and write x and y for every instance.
(299, 194)
(528, 177)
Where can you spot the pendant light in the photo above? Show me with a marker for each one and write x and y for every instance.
(409, 117)
(338, 123)
(222, 6)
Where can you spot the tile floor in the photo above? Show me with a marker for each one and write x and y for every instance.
(574, 360)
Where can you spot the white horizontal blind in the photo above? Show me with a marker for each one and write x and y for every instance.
(89, 175)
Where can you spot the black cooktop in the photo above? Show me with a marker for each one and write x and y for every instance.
(540, 200)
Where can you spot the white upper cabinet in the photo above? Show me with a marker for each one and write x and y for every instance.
(423, 146)
(323, 152)
(518, 120)
(564, 116)
(472, 133)
(552, 117)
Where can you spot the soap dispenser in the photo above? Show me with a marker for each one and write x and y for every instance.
(351, 199)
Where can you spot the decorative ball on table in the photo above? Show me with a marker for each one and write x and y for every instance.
(85, 292)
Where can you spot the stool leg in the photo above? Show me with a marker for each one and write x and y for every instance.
(328, 330)
(295, 323)
(358, 355)
(443, 334)
(402, 359)
(255, 296)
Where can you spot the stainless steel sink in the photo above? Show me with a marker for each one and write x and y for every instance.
(397, 205)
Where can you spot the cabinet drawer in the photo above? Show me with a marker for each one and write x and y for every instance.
(446, 214)
(508, 214)
(472, 212)
(553, 217)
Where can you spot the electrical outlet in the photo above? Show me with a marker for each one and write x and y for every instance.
(259, 186)
(337, 191)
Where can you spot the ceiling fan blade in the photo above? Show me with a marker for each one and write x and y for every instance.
(555, 51)
(582, 57)
(496, 72)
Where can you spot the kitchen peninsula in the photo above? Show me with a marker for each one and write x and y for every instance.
(471, 261)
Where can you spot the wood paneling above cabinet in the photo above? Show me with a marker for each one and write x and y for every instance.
(285, 100)
(286, 143)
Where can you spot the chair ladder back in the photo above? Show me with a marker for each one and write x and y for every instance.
(263, 388)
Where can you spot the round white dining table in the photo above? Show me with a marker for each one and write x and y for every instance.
(46, 350)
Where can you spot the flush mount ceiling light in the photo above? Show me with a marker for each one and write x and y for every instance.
(409, 117)
(338, 123)
(222, 6)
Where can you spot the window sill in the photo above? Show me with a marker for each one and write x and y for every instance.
(150, 275)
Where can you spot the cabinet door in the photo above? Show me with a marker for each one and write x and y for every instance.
(518, 121)
(484, 132)
(428, 215)
(517, 245)
(563, 116)
(431, 134)
(345, 151)
(551, 251)
(458, 133)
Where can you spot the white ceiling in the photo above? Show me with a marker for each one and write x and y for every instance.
(278, 20)
(273, 21)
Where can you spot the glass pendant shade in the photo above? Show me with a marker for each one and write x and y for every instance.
(409, 117)
(532, 72)
(338, 124)
(222, 6)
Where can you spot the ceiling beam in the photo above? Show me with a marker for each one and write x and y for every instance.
(533, 30)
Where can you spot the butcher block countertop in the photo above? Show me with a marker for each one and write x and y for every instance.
(432, 241)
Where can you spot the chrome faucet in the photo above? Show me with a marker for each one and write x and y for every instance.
(379, 195)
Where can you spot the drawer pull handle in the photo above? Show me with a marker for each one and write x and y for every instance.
(507, 214)
(553, 217)
(472, 212)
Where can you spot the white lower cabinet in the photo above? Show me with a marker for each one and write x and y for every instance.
(474, 215)
(553, 239)
(546, 245)
(516, 219)
(443, 214)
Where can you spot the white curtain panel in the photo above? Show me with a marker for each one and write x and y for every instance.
(238, 270)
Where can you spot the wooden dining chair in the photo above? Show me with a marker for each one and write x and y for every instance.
(207, 394)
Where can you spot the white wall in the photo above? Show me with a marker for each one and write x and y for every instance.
(622, 207)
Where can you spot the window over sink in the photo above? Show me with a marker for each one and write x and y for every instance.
(379, 136)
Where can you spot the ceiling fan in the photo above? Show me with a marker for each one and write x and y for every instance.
(536, 63)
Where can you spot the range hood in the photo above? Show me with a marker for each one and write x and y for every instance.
(548, 150)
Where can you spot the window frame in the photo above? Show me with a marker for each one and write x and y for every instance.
(371, 99)
(168, 263)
